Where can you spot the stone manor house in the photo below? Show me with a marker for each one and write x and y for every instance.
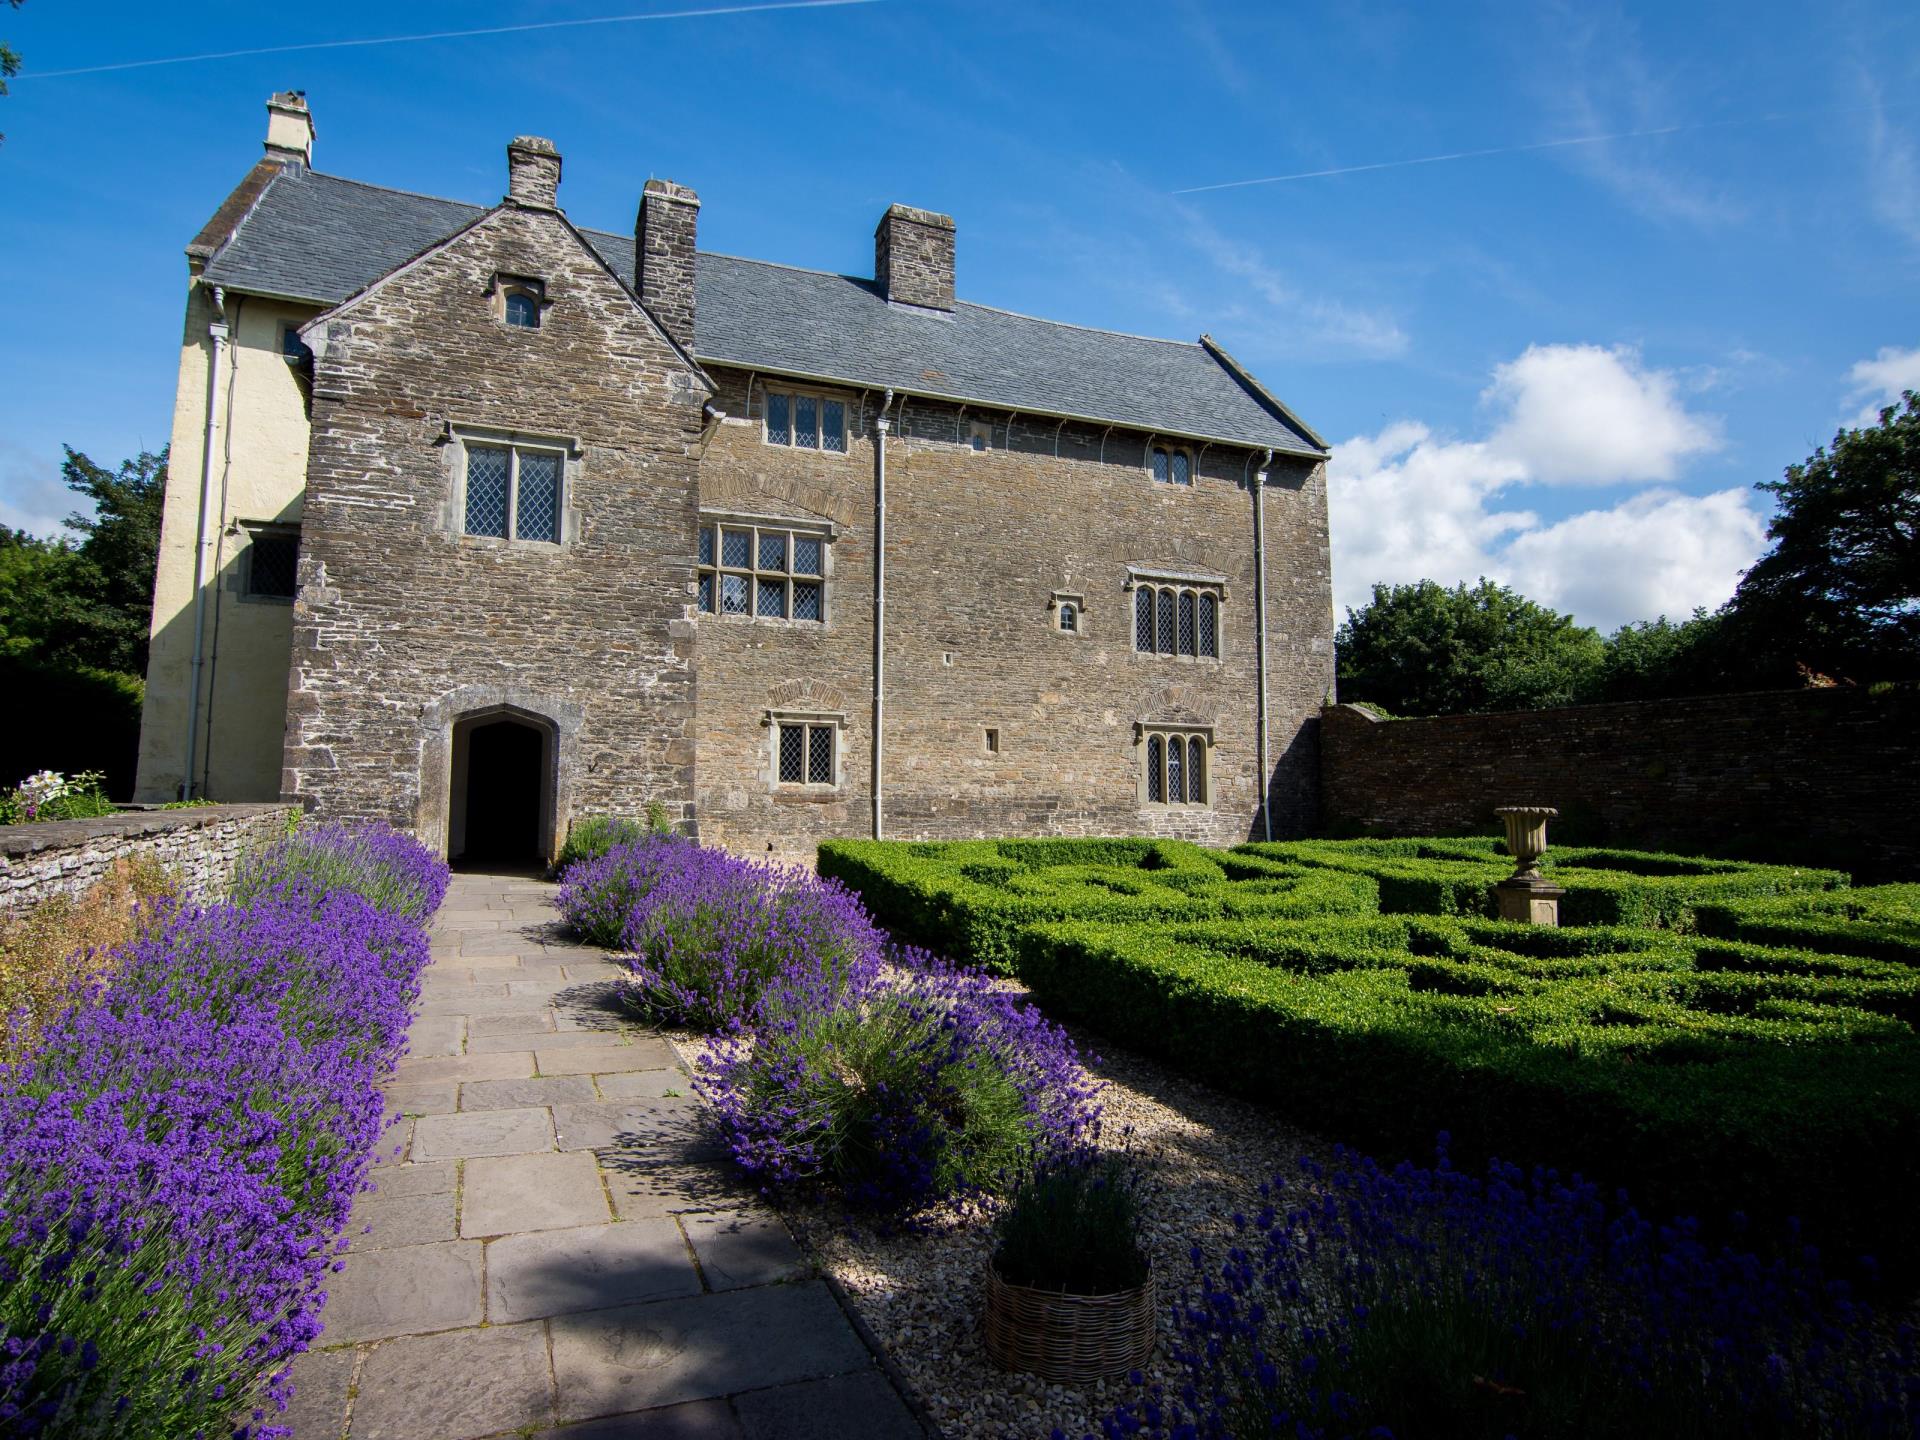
(478, 522)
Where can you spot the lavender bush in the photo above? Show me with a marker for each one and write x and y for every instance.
(178, 1159)
(928, 1084)
(711, 937)
(395, 872)
(598, 894)
(1428, 1302)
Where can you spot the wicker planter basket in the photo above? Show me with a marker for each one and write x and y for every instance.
(1069, 1339)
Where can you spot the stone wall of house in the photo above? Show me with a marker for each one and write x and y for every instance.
(64, 857)
(404, 625)
(980, 542)
(1827, 777)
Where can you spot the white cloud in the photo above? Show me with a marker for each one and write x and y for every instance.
(1893, 167)
(32, 496)
(1881, 380)
(1409, 505)
(1580, 414)
(1655, 553)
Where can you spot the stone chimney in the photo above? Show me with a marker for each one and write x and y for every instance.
(533, 173)
(290, 129)
(663, 240)
(913, 257)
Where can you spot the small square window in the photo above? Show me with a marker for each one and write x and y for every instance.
(523, 311)
(980, 435)
(272, 565)
(991, 736)
(295, 350)
(804, 752)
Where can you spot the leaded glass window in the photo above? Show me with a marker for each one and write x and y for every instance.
(1170, 466)
(767, 572)
(273, 563)
(537, 515)
(805, 753)
(806, 422)
(1176, 620)
(1176, 768)
(515, 490)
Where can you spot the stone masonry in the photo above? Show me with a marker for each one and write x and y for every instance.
(200, 846)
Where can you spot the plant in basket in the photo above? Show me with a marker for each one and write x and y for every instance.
(1070, 1293)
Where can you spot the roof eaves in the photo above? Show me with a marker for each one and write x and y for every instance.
(232, 213)
(952, 399)
(1260, 392)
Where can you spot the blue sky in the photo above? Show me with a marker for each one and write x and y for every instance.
(1562, 366)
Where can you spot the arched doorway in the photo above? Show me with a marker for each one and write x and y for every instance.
(500, 814)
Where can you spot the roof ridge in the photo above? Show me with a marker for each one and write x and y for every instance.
(390, 189)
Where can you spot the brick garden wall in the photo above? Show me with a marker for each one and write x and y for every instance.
(1822, 776)
(64, 857)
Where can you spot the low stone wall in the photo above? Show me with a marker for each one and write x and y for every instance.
(1823, 777)
(66, 856)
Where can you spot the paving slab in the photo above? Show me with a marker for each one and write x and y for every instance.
(392, 1149)
(664, 1084)
(437, 1035)
(506, 1194)
(861, 1404)
(512, 1065)
(647, 1052)
(633, 1358)
(386, 1222)
(471, 1005)
(512, 1094)
(322, 1383)
(455, 1386)
(645, 1189)
(743, 1249)
(409, 1291)
(423, 1097)
(482, 1132)
(551, 1043)
(695, 1420)
(482, 1026)
(555, 1272)
(397, 1180)
(632, 1123)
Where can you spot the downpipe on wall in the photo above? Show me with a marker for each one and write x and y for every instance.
(881, 426)
(1260, 636)
(217, 332)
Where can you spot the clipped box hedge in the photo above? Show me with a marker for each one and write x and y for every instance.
(1604, 886)
(1881, 921)
(970, 899)
(1706, 1076)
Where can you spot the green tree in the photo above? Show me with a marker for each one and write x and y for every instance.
(1840, 590)
(1423, 649)
(113, 588)
(36, 589)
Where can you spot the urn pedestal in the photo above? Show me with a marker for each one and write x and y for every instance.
(1527, 895)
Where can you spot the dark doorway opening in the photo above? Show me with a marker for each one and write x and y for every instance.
(504, 790)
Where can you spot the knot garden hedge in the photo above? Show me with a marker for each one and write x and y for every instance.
(1719, 1037)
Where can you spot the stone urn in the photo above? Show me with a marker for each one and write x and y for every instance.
(1526, 894)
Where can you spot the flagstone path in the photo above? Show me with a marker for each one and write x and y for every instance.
(556, 1249)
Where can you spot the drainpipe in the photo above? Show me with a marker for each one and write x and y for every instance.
(1260, 635)
(217, 334)
(881, 426)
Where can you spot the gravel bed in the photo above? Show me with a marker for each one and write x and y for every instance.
(922, 1290)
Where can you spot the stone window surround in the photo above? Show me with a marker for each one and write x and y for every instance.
(802, 790)
(1167, 730)
(1057, 601)
(256, 530)
(1199, 582)
(504, 284)
(1157, 446)
(457, 435)
(804, 527)
(850, 422)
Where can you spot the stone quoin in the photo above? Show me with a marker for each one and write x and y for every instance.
(586, 520)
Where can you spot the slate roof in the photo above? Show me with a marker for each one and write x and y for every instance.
(320, 238)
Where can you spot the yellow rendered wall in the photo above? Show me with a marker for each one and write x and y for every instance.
(259, 474)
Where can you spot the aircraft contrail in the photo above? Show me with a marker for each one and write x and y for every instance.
(1477, 154)
(444, 35)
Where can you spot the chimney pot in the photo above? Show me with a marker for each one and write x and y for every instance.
(289, 128)
(533, 172)
(913, 257)
(664, 233)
